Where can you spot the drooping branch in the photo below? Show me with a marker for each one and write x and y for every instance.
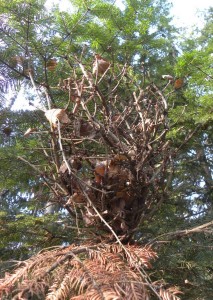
(204, 228)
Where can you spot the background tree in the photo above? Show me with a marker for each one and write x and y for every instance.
(190, 200)
(115, 123)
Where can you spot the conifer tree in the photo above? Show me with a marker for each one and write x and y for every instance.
(100, 166)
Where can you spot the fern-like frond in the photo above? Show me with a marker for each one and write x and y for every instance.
(4, 26)
(7, 83)
(165, 292)
(169, 294)
(87, 272)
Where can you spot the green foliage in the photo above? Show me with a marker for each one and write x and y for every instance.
(23, 234)
(140, 36)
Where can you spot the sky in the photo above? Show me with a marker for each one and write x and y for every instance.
(185, 14)
(184, 11)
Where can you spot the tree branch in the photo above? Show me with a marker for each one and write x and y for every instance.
(183, 233)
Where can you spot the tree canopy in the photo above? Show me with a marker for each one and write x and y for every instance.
(111, 165)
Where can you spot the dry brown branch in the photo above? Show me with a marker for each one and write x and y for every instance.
(138, 156)
(64, 272)
(107, 165)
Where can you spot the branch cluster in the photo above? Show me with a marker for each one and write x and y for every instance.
(110, 147)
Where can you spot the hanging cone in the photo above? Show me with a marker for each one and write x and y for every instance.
(100, 65)
(51, 64)
(178, 83)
